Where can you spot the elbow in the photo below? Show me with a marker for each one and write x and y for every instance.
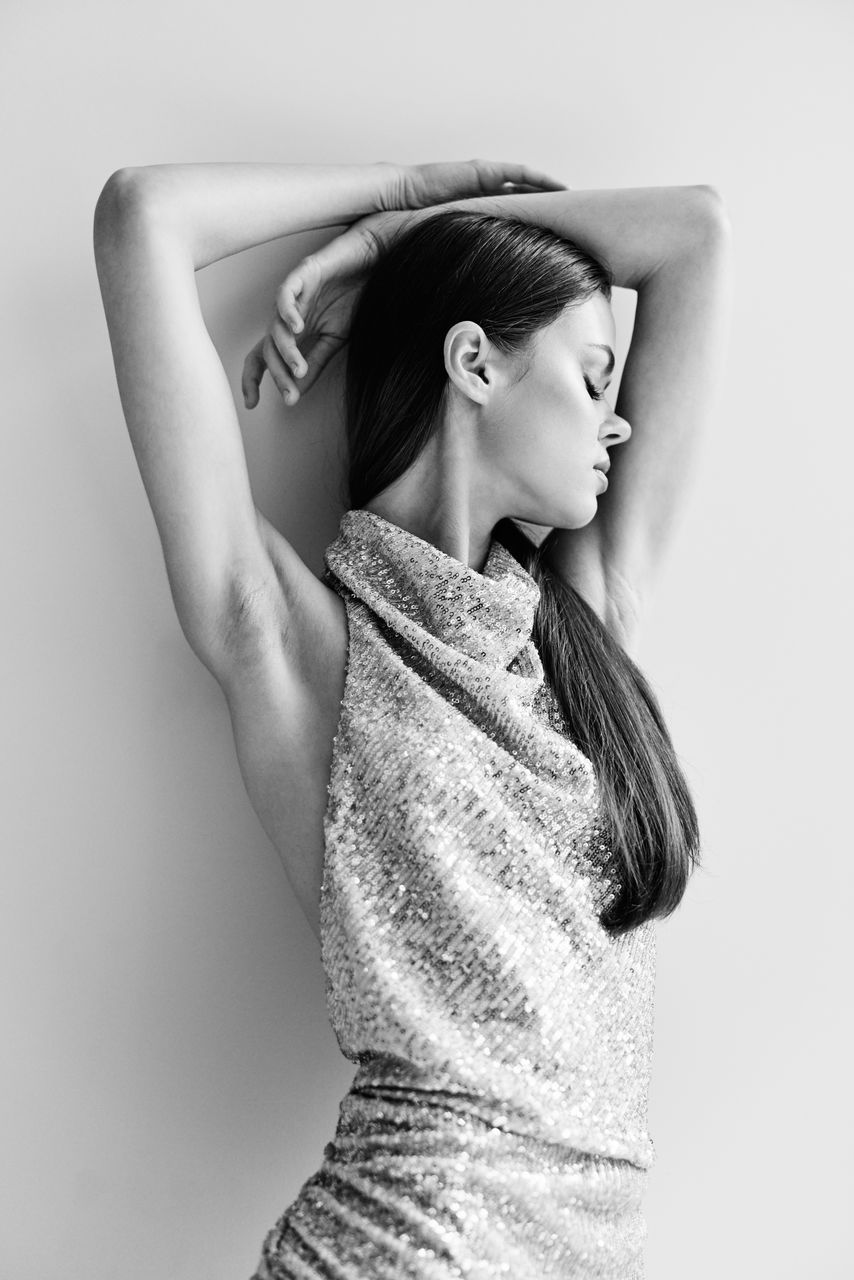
(116, 193)
(122, 202)
(699, 227)
(708, 218)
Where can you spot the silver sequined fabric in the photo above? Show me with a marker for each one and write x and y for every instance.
(496, 1125)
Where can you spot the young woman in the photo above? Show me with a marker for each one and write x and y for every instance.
(446, 738)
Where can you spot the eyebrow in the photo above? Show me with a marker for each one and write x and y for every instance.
(609, 365)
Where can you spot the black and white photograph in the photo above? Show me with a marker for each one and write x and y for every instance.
(428, 543)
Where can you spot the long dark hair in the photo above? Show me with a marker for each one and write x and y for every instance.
(514, 278)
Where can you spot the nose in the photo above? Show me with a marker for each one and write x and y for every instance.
(614, 430)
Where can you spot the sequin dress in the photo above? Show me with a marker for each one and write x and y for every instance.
(496, 1124)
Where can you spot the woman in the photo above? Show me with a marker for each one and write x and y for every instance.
(470, 782)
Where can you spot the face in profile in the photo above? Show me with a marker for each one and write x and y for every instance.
(548, 426)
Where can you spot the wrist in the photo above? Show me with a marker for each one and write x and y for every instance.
(393, 186)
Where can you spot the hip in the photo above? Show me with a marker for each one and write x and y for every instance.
(438, 1191)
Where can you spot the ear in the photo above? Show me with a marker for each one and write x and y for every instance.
(473, 363)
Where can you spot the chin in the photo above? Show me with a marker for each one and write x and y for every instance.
(551, 514)
(580, 515)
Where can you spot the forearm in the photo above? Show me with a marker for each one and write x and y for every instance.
(635, 231)
(218, 209)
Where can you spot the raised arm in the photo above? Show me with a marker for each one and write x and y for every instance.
(154, 228)
(231, 574)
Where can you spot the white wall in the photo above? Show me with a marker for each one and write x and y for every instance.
(168, 1075)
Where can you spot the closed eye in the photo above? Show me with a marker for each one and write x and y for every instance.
(595, 392)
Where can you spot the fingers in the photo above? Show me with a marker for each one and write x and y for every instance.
(253, 372)
(265, 355)
(286, 345)
(522, 188)
(291, 288)
(540, 181)
(297, 291)
(279, 371)
(496, 173)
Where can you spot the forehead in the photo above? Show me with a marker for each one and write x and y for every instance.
(577, 327)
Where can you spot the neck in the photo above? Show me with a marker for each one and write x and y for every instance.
(444, 499)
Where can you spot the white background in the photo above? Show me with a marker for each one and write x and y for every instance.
(169, 1078)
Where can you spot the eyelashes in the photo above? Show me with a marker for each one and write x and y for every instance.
(595, 393)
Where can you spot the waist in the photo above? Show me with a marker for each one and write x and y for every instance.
(392, 1106)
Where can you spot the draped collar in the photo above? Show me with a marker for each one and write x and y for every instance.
(486, 615)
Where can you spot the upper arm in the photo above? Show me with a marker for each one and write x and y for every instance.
(184, 429)
(666, 394)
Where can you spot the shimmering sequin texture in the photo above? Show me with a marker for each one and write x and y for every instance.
(496, 1126)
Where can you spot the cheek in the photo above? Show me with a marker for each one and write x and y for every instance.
(575, 432)
(570, 404)
(553, 426)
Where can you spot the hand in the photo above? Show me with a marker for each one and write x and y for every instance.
(419, 185)
(315, 301)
